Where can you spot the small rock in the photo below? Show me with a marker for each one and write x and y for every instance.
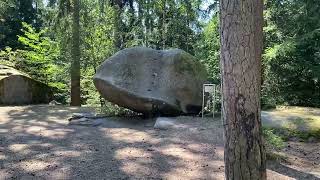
(81, 121)
(81, 115)
(54, 103)
(164, 123)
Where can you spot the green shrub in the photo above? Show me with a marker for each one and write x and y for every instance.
(273, 140)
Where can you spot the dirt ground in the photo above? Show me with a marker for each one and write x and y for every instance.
(36, 142)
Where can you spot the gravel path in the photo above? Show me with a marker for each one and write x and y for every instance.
(36, 142)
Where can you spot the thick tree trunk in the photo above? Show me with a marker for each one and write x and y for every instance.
(75, 65)
(241, 47)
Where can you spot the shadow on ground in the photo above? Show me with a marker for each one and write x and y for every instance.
(289, 172)
(37, 143)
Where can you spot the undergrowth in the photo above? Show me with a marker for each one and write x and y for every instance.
(273, 141)
(287, 133)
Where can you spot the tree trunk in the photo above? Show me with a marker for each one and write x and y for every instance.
(117, 27)
(241, 48)
(164, 25)
(140, 22)
(147, 23)
(75, 65)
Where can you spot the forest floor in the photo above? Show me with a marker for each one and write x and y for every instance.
(36, 142)
(294, 118)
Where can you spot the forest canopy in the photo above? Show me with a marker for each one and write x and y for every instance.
(36, 36)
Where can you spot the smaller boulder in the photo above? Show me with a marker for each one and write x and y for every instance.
(164, 123)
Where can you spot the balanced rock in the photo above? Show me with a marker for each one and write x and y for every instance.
(168, 82)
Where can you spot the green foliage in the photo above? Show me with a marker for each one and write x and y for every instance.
(97, 35)
(208, 49)
(289, 133)
(39, 55)
(9, 57)
(12, 12)
(304, 136)
(291, 59)
(42, 46)
(273, 141)
(38, 59)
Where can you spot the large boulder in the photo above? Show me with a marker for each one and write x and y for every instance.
(145, 80)
(17, 88)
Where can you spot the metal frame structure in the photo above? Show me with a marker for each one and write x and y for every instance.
(211, 89)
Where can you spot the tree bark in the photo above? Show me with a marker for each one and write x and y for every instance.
(75, 65)
(241, 48)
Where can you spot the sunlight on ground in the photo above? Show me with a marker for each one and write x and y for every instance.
(19, 147)
(2, 157)
(299, 116)
(33, 165)
(129, 135)
(41, 144)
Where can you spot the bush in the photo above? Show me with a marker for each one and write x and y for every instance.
(273, 141)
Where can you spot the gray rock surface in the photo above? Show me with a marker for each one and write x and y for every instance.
(164, 123)
(145, 80)
(17, 88)
(87, 119)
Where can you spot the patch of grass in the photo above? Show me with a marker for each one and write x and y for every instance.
(287, 133)
(303, 135)
(301, 116)
(301, 122)
(273, 140)
(274, 143)
(276, 156)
